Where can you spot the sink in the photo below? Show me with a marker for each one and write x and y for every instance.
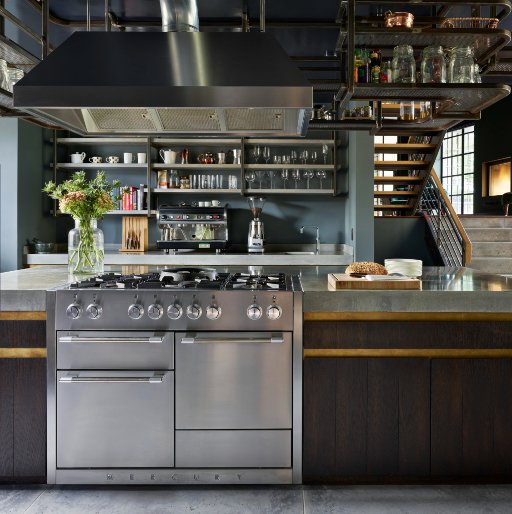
(299, 253)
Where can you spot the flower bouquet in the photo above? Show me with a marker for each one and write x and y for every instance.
(87, 201)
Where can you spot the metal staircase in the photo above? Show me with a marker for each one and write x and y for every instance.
(399, 183)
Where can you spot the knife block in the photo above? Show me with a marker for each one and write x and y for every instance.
(134, 234)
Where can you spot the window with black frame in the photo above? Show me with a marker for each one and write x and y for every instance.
(457, 168)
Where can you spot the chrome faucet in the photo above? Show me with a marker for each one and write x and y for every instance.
(317, 251)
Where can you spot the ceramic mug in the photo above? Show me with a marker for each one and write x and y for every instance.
(141, 158)
(221, 158)
(112, 159)
(96, 159)
(127, 157)
(215, 203)
(77, 157)
(168, 156)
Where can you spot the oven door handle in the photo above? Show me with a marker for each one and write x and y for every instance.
(207, 340)
(78, 339)
(157, 379)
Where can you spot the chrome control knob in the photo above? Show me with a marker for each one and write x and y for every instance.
(213, 312)
(194, 311)
(175, 311)
(74, 311)
(135, 311)
(254, 312)
(274, 312)
(94, 311)
(155, 311)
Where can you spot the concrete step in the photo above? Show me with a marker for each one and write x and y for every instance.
(477, 235)
(486, 221)
(492, 249)
(499, 265)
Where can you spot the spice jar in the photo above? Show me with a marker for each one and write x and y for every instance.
(403, 64)
(462, 65)
(433, 65)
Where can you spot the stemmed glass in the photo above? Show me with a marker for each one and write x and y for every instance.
(296, 177)
(308, 175)
(266, 154)
(314, 156)
(321, 174)
(293, 156)
(250, 177)
(256, 153)
(284, 176)
(304, 156)
(325, 152)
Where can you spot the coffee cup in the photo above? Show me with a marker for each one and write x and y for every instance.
(200, 204)
(127, 157)
(77, 157)
(112, 159)
(207, 204)
(215, 203)
(96, 159)
(141, 158)
(168, 156)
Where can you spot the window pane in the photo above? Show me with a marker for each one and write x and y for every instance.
(469, 181)
(447, 167)
(468, 204)
(457, 146)
(457, 185)
(456, 202)
(447, 184)
(457, 165)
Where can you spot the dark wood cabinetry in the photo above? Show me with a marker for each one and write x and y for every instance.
(22, 401)
(379, 418)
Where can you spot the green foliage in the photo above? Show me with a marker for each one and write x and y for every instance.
(82, 198)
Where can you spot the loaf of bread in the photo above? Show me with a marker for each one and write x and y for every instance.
(366, 268)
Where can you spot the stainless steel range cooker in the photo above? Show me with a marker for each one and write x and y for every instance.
(184, 376)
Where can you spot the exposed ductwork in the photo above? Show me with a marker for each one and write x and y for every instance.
(179, 81)
(179, 16)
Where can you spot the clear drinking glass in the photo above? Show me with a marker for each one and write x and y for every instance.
(308, 175)
(321, 174)
(293, 156)
(325, 152)
(304, 156)
(314, 156)
(296, 177)
(433, 65)
(256, 154)
(250, 176)
(403, 65)
(266, 154)
(284, 176)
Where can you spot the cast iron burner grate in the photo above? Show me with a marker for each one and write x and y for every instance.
(268, 282)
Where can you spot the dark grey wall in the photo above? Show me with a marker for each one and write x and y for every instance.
(402, 238)
(492, 141)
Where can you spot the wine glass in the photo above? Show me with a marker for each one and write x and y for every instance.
(284, 176)
(250, 177)
(266, 154)
(296, 177)
(325, 152)
(308, 175)
(321, 174)
(256, 153)
(314, 156)
(304, 156)
(293, 156)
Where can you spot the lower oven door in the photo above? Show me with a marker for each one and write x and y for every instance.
(115, 419)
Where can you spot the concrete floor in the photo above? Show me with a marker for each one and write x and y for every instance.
(256, 500)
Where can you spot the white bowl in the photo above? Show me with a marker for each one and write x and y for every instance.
(409, 267)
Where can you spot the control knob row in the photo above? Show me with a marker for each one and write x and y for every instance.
(255, 312)
(93, 311)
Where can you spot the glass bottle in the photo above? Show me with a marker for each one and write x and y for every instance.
(363, 70)
(461, 67)
(403, 64)
(375, 64)
(433, 65)
(385, 72)
(86, 247)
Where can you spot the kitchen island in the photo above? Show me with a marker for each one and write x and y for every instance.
(399, 386)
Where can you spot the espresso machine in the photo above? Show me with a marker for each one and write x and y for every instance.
(256, 236)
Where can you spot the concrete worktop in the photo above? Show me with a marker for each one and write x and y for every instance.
(443, 290)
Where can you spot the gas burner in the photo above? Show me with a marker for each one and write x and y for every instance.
(264, 282)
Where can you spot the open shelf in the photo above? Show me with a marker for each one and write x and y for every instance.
(102, 140)
(485, 42)
(289, 142)
(289, 166)
(196, 191)
(163, 141)
(94, 165)
(130, 213)
(202, 167)
(290, 191)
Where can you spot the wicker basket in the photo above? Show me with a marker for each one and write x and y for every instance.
(470, 23)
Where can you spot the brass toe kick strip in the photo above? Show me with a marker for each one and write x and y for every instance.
(431, 353)
(22, 353)
(22, 315)
(407, 316)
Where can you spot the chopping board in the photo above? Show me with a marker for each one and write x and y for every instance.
(341, 281)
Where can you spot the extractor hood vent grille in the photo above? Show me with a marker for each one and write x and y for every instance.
(254, 119)
(119, 119)
(189, 120)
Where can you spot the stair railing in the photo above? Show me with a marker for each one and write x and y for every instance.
(451, 238)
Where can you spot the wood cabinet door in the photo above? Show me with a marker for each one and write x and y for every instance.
(366, 418)
(472, 418)
(6, 419)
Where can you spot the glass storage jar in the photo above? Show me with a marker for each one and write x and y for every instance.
(433, 65)
(86, 247)
(462, 65)
(4, 75)
(407, 112)
(403, 64)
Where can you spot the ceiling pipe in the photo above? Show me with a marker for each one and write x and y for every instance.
(179, 16)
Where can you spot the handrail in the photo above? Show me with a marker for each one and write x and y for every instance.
(451, 237)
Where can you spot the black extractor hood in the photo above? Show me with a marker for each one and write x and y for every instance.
(167, 83)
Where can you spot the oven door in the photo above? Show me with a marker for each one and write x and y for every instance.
(115, 419)
(233, 400)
